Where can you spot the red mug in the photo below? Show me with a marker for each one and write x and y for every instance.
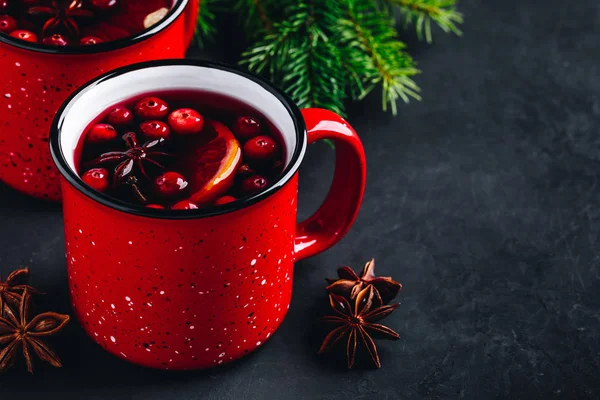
(197, 288)
(37, 79)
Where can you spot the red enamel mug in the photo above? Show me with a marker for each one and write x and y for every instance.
(197, 288)
(37, 79)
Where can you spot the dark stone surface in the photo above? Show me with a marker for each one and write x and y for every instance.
(482, 200)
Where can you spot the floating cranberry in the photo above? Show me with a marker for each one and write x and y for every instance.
(186, 121)
(97, 179)
(155, 206)
(104, 5)
(4, 4)
(224, 200)
(151, 108)
(155, 130)
(254, 184)
(247, 127)
(56, 40)
(90, 40)
(185, 205)
(170, 185)
(7, 24)
(120, 116)
(25, 35)
(261, 148)
(101, 133)
(245, 170)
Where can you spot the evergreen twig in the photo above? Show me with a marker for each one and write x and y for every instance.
(374, 56)
(322, 52)
(255, 15)
(422, 12)
(205, 26)
(302, 56)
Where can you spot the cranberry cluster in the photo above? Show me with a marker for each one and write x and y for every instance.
(155, 139)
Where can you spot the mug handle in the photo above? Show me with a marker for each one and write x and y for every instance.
(333, 220)
(191, 18)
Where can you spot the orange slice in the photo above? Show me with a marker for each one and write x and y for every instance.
(211, 164)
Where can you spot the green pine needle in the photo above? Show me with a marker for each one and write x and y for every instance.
(302, 56)
(422, 12)
(205, 26)
(373, 56)
(255, 15)
(322, 52)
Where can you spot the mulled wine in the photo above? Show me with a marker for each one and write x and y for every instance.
(180, 151)
(79, 22)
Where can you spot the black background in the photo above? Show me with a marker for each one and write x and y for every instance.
(482, 200)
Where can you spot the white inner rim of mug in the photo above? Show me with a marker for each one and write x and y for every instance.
(94, 100)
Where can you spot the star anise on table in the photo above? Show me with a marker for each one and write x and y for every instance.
(350, 284)
(62, 15)
(18, 332)
(357, 323)
(12, 289)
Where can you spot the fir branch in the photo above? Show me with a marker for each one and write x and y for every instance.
(256, 15)
(373, 55)
(205, 25)
(422, 12)
(302, 56)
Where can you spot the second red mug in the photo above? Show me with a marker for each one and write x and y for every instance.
(37, 79)
(197, 288)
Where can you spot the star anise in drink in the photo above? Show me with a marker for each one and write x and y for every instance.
(134, 160)
(18, 332)
(357, 323)
(350, 284)
(12, 289)
(61, 16)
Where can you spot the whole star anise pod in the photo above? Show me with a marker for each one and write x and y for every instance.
(349, 284)
(61, 15)
(12, 289)
(17, 331)
(133, 158)
(357, 323)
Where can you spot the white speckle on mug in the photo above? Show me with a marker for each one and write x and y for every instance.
(112, 339)
(253, 262)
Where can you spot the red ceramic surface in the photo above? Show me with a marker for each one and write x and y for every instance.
(37, 79)
(196, 289)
